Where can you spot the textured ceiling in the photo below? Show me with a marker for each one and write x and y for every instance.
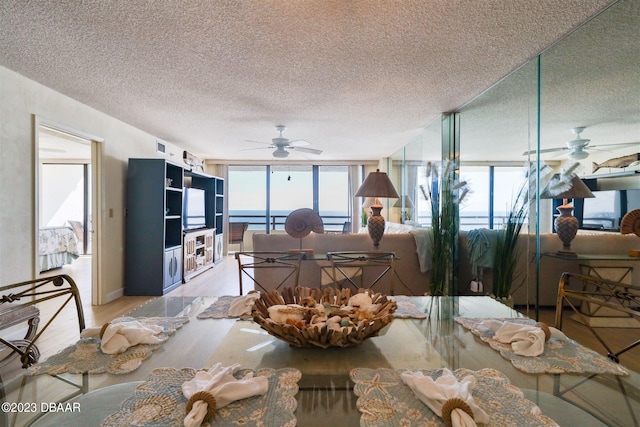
(357, 79)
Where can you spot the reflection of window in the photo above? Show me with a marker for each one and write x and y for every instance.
(493, 190)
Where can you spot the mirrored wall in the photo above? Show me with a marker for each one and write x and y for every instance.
(575, 108)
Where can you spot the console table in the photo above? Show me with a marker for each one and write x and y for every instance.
(619, 268)
(622, 269)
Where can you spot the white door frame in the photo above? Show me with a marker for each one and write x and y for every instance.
(96, 201)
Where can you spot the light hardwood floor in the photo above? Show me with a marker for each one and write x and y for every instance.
(222, 279)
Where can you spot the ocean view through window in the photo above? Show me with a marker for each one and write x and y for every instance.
(263, 195)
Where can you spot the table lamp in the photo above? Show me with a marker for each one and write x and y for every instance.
(566, 224)
(377, 184)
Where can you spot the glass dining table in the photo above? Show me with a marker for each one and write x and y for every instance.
(326, 389)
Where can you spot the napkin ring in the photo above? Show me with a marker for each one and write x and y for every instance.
(545, 329)
(450, 405)
(206, 397)
(103, 329)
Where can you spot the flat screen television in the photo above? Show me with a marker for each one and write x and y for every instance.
(193, 209)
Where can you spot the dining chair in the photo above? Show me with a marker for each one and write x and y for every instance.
(350, 267)
(41, 305)
(595, 302)
(236, 233)
(270, 270)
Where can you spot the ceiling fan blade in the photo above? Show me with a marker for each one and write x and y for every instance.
(545, 150)
(307, 150)
(622, 144)
(258, 142)
(258, 148)
(298, 143)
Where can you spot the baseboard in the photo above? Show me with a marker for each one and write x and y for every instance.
(608, 322)
(112, 296)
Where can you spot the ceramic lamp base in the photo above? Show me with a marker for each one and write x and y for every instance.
(375, 225)
(566, 228)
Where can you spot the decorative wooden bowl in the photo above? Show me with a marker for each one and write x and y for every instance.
(356, 325)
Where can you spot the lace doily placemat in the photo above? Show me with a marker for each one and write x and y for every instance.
(561, 356)
(407, 309)
(85, 355)
(220, 309)
(159, 401)
(385, 401)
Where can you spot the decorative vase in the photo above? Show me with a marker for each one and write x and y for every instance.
(566, 227)
(375, 224)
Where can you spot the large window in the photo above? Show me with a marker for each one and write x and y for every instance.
(493, 190)
(265, 195)
(291, 188)
(333, 196)
(247, 198)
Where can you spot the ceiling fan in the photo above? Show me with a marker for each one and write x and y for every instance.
(577, 147)
(283, 145)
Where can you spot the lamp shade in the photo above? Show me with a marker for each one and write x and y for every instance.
(556, 190)
(377, 184)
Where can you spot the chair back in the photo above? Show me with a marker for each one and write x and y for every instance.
(25, 301)
(346, 227)
(270, 271)
(236, 233)
(362, 269)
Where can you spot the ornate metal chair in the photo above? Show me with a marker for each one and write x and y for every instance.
(592, 299)
(348, 268)
(36, 304)
(270, 270)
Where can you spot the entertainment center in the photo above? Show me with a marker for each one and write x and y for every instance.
(174, 225)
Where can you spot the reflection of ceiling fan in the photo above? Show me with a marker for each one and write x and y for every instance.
(577, 147)
(282, 145)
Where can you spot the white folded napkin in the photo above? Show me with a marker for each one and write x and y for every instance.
(525, 340)
(242, 305)
(118, 337)
(436, 393)
(223, 386)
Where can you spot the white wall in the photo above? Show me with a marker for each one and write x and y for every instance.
(21, 100)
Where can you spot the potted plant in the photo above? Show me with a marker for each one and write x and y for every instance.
(507, 253)
(444, 194)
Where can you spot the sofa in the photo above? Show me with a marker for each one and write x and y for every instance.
(413, 277)
(591, 244)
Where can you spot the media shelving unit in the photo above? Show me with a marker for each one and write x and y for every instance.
(219, 220)
(198, 252)
(199, 245)
(159, 253)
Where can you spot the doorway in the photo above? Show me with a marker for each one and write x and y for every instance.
(67, 165)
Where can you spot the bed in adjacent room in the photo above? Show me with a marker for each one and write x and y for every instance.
(58, 246)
